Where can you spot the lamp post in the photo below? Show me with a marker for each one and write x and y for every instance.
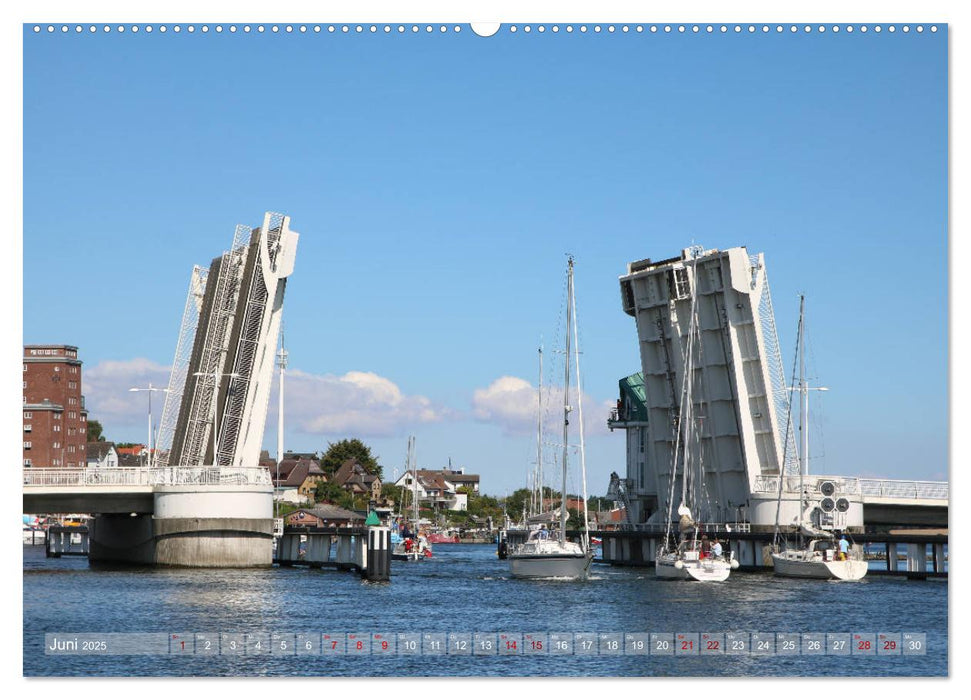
(215, 409)
(150, 389)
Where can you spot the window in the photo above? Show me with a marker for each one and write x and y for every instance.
(56, 445)
(83, 418)
(72, 385)
(72, 414)
(57, 463)
(26, 462)
(57, 369)
(71, 431)
(28, 414)
(72, 401)
(25, 368)
(25, 385)
(57, 428)
(27, 427)
(26, 444)
(73, 370)
(57, 416)
(70, 448)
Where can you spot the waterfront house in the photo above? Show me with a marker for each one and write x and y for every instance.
(353, 477)
(102, 455)
(298, 478)
(436, 489)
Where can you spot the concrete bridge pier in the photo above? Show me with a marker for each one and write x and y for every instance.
(917, 558)
(193, 526)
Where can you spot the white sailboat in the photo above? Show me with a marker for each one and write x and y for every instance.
(820, 556)
(690, 556)
(416, 547)
(547, 553)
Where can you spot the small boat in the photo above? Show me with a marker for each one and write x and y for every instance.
(690, 562)
(821, 557)
(547, 554)
(443, 538)
(412, 546)
(819, 560)
(543, 557)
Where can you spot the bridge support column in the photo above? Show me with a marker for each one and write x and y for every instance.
(917, 558)
(344, 555)
(891, 556)
(940, 562)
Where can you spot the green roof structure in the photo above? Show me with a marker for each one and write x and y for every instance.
(633, 398)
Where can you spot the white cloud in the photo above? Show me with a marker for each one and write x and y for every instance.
(510, 403)
(107, 397)
(363, 404)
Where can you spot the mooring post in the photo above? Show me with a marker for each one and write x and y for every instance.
(378, 554)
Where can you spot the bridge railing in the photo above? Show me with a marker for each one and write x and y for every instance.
(875, 488)
(146, 476)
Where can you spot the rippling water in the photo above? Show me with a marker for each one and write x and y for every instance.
(465, 588)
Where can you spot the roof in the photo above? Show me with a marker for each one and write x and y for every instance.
(133, 450)
(351, 468)
(460, 477)
(633, 398)
(326, 511)
(130, 460)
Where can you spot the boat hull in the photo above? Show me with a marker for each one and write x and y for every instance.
(572, 566)
(705, 570)
(845, 570)
(435, 538)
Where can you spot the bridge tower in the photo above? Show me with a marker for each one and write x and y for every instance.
(208, 508)
(740, 393)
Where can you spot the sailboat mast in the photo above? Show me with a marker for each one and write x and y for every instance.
(804, 396)
(414, 480)
(539, 439)
(583, 459)
(566, 395)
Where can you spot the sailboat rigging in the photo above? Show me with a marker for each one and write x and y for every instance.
(818, 554)
(689, 556)
(548, 554)
(414, 546)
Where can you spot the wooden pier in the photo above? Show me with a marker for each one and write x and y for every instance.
(364, 550)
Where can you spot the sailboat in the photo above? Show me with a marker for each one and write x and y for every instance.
(414, 547)
(818, 556)
(547, 553)
(689, 556)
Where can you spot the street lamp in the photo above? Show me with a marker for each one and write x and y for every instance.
(150, 389)
(215, 409)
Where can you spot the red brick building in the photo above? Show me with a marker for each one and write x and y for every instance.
(55, 422)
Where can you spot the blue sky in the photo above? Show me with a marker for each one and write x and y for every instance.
(438, 180)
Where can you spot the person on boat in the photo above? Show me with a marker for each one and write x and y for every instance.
(408, 544)
(716, 549)
(705, 547)
(543, 534)
(844, 547)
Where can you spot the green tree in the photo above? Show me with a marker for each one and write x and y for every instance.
(339, 452)
(329, 492)
(517, 503)
(95, 431)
